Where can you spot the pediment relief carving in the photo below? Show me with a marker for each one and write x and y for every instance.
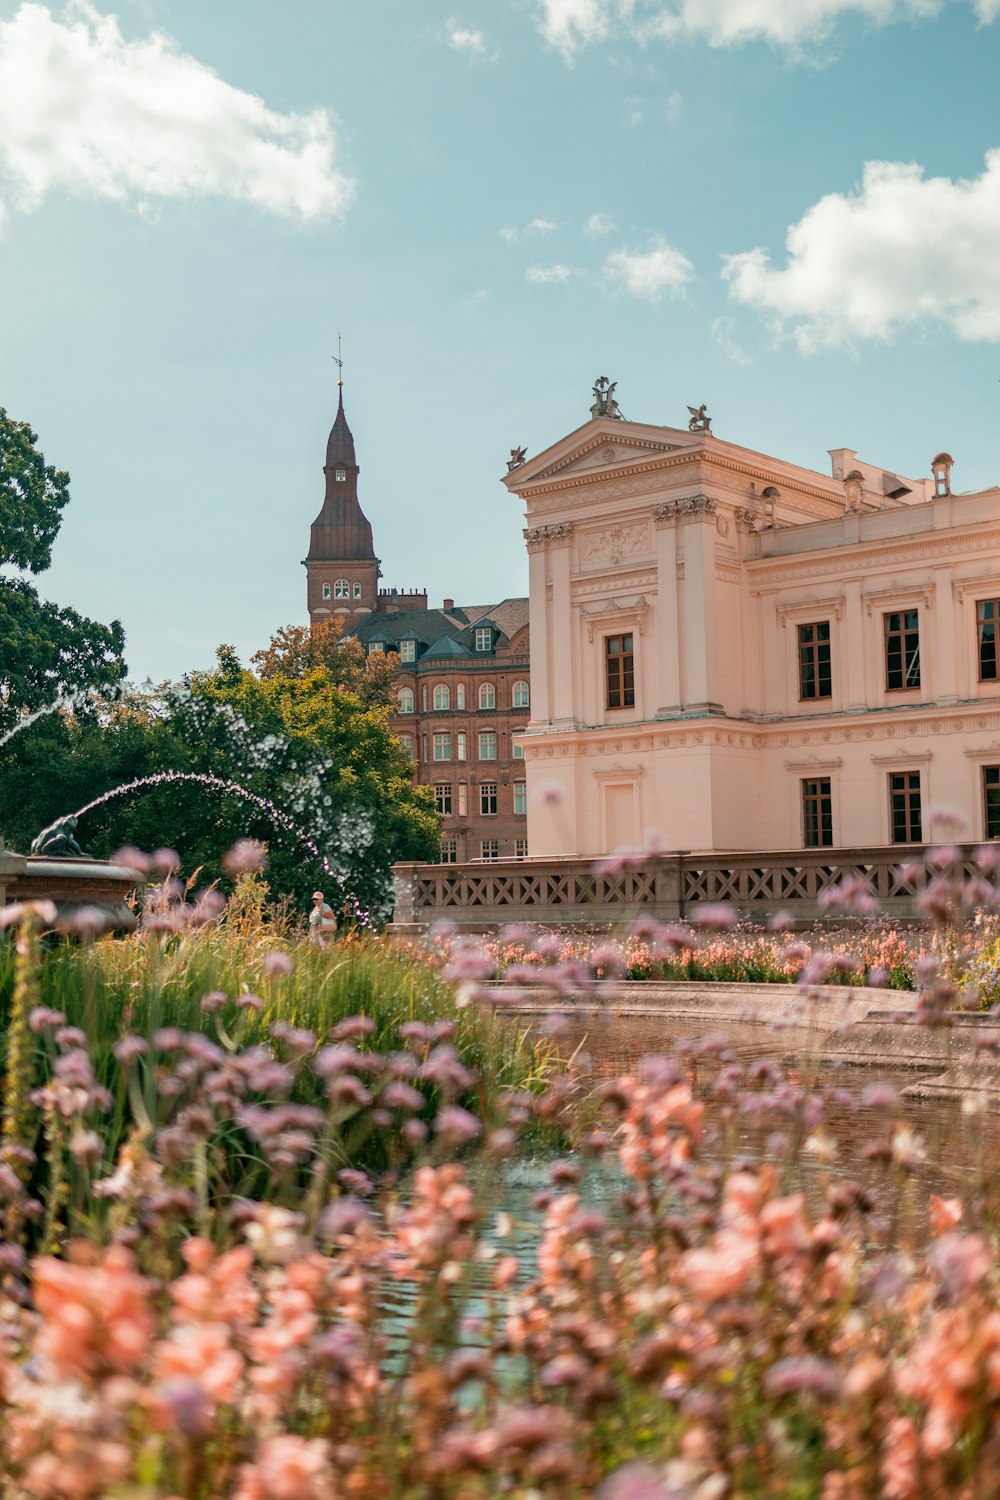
(600, 455)
(614, 543)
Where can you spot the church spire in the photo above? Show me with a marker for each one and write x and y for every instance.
(341, 531)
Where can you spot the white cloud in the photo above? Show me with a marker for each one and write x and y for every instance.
(903, 249)
(649, 272)
(84, 111)
(598, 225)
(543, 275)
(569, 25)
(723, 331)
(471, 44)
(675, 104)
(537, 226)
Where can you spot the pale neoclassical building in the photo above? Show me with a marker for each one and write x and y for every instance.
(747, 655)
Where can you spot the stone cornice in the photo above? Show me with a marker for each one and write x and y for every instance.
(858, 557)
(683, 509)
(896, 728)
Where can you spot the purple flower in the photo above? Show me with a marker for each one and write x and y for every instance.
(456, 1124)
(128, 1048)
(277, 964)
(804, 1373)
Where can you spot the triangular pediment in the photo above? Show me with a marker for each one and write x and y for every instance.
(604, 447)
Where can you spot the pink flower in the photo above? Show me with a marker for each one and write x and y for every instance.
(287, 1468)
(721, 1270)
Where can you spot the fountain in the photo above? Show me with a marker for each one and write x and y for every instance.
(58, 870)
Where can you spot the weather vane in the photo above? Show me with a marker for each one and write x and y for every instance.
(338, 362)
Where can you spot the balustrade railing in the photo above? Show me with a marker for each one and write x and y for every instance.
(584, 892)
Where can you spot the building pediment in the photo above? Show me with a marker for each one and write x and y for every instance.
(602, 447)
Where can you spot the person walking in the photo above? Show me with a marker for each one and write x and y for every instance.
(322, 921)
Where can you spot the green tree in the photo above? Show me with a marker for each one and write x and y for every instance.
(45, 652)
(295, 650)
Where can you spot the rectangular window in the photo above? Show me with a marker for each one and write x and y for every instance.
(817, 813)
(463, 799)
(484, 638)
(460, 695)
(619, 671)
(490, 848)
(442, 747)
(520, 798)
(517, 751)
(488, 799)
(488, 744)
(449, 851)
(814, 660)
(902, 649)
(520, 848)
(407, 651)
(904, 806)
(442, 798)
(988, 621)
(376, 648)
(460, 743)
(991, 798)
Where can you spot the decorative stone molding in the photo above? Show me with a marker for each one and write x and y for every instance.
(615, 610)
(634, 578)
(881, 597)
(558, 534)
(616, 542)
(807, 608)
(979, 585)
(746, 520)
(814, 763)
(616, 772)
(692, 505)
(902, 758)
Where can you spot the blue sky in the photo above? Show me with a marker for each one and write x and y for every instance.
(787, 209)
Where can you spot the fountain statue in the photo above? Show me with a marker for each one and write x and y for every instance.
(58, 838)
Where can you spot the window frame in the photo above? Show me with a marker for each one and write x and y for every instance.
(341, 588)
(619, 671)
(986, 772)
(449, 851)
(442, 798)
(911, 794)
(520, 799)
(407, 652)
(488, 692)
(483, 638)
(994, 622)
(484, 736)
(905, 668)
(325, 591)
(519, 699)
(406, 703)
(816, 802)
(441, 741)
(443, 692)
(488, 799)
(489, 850)
(810, 656)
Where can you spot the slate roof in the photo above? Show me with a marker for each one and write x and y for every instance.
(446, 635)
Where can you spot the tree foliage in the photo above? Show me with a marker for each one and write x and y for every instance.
(295, 650)
(329, 765)
(45, 652)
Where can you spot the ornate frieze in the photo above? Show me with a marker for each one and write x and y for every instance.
(615, 543)
(746, 520)
(634, 611)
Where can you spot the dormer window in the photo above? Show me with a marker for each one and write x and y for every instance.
(376, 648)
(484, 638)
(407, 651)
(340, 475)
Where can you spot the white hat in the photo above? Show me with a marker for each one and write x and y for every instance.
(317, 895)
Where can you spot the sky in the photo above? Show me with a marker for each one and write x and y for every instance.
(786, 209)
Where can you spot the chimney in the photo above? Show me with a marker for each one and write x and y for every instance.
(448, 605)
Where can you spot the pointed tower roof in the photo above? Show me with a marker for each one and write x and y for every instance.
(341, 532)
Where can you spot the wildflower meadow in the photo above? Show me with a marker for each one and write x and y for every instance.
(281, 1223)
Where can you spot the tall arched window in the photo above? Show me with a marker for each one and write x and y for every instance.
(460, 695)
(341, 589)
(487, 695)
(519, 696)
(405, 700)
(326, 591)
(442, 696)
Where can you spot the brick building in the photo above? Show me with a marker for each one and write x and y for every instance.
(463, 690)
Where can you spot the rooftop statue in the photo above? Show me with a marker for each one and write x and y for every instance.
(58, 839)
(700, 420)
(517, 457)
(605, 404)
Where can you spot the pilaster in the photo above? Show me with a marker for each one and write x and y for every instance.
(669, 632)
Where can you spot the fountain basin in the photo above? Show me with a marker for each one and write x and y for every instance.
(70, 883)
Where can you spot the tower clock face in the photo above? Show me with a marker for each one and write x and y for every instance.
(341, 475)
